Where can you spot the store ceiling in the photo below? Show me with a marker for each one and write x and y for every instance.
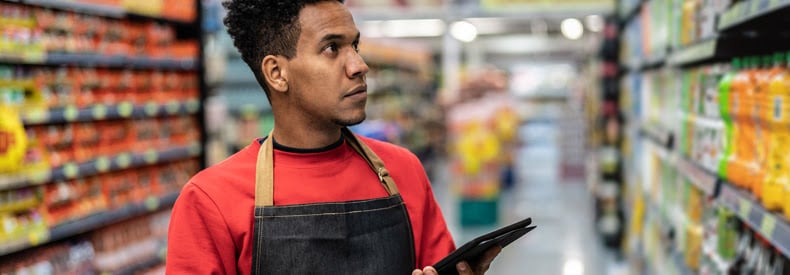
(520, 29)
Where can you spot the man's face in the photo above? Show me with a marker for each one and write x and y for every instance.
(326, 78)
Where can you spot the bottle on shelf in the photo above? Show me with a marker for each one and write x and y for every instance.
(762, 141)
(752, 128)
(782, 84)
(739, 104)
(776, 117)
(726, 113)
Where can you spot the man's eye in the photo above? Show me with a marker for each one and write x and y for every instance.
(331, 47)
(356, 47)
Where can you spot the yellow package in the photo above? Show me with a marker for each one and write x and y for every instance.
(13, 140)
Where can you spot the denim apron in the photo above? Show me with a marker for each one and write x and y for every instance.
(361, 237)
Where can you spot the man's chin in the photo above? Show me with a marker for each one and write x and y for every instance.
(350, 122)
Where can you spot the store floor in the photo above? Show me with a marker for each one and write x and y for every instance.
(564, 242)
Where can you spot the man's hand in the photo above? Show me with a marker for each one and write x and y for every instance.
(464, 268)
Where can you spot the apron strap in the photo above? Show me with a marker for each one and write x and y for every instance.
(373, 160)
(264, 168)
(264, 174)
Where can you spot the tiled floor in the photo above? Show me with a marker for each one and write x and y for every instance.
(564, 242)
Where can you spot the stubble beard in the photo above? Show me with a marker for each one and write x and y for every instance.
(351, 121)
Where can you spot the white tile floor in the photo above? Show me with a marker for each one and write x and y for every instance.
(564, 242)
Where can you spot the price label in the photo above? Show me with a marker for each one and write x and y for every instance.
(151, 156)
(768, 225)
(102, 164)
(192, 105)
(99, 111)
(70, 113)
(39, 177)
(172, 107)
(151, 203)
(194, 149)
(37, 237)
(124, 160)
(125, 109)
(71, 170)
(36, 117)
(744, 208)
(764, 5)
(151, 109)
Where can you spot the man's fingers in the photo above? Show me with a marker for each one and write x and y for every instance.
(463, 268)
(416, 272)
(488, 257)
(429, 270)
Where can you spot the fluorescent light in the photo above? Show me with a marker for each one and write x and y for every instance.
(572, 28)
(463, 31)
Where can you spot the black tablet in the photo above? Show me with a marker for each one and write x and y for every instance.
(474, 249)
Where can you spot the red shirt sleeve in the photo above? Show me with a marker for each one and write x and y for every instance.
(199, 241)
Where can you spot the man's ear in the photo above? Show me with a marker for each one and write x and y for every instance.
(274, 69)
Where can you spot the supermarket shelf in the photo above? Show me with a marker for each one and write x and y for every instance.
(750, 13)
(643, 64)
(119, 61)
(699, 176)
(134, 269)
(112, 11)
(82, 59)
(775, 229)
(108, 112)
(104, 164)
(724, 48)
(86, 8)
(152, 204)
(658, 134)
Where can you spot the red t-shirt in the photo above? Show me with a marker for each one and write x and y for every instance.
(212, 220)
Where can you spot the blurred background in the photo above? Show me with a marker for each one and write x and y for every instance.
(641, 136)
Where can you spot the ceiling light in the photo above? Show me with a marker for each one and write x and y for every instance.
(463, 31)
(572, 28)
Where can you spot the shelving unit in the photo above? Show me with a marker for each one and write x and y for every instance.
(676, 112)
(158, 140)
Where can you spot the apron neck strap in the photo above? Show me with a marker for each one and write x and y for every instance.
(264, 168)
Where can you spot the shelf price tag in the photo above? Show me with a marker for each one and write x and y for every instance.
(151, 203)
(40, 177)
(99, 112)
(71, 170)
(37, 237)
(151, 109)
(172, 107)
(124, 160)
(125, 109)
(70, 113)
(151, 156)
(37, 117)
(744, 208)
(102, 164)
(194, 149)
(768, 225)
(192, 105)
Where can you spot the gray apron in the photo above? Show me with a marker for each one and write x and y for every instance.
(360, 237)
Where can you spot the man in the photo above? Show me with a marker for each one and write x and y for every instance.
(311, 198)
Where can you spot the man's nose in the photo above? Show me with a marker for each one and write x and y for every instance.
(356, 66)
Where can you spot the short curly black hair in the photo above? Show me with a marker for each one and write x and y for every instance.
(264, 27)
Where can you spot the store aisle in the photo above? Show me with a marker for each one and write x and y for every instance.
(564, 242)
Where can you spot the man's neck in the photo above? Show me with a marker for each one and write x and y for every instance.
(305, 138)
